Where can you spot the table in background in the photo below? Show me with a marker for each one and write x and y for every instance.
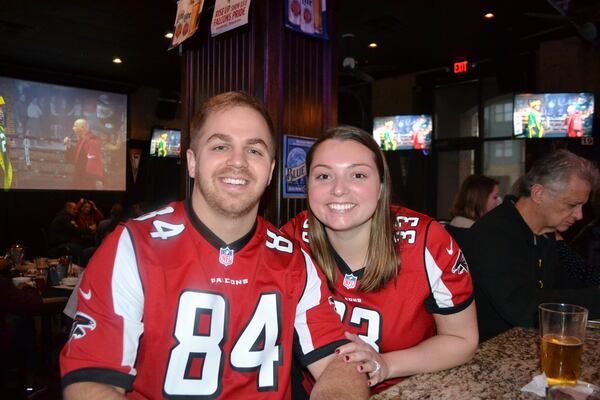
(500, 368)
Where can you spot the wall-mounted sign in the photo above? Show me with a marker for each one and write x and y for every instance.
(461, 67)
(186, 21)
(306, 16)
(228, 15)
(295, 149)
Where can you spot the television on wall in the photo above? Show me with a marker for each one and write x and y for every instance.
(403, 132)
(553, 115)
(165, 143)
(40, 147)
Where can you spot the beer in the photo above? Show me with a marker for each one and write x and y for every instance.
(561, 359)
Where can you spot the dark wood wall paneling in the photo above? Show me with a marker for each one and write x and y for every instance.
(290, 72)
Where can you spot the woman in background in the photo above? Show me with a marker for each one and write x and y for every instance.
(400, 284)
(478, 195)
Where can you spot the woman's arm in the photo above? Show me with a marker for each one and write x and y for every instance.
(455, 344)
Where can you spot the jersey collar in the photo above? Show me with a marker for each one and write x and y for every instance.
(343, 267)
(211, 237)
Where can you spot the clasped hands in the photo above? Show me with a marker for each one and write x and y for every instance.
(368, 360)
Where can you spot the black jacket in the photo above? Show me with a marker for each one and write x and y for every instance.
(514, 271)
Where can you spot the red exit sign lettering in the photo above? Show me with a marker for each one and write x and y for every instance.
(460, 67)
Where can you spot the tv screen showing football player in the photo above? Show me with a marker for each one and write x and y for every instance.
(403, 132)
(553, 115)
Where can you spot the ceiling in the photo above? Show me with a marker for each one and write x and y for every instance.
(413, 35)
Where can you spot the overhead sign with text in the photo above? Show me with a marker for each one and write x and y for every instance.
(228, 15)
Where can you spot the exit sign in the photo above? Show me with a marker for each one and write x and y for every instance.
(461, 67)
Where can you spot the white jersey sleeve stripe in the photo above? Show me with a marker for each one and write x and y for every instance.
(441, 293)
(310, 298)
(128, 298)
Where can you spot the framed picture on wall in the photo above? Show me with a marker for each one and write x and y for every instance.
(295, 149)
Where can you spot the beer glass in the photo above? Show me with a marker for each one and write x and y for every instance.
(562, 333)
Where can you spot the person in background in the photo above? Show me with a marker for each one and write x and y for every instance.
(202, 298)
(477, 195)
(512, 252)
(6, 170)
(106, 226)
(586, 244)
(64, 235)
(161, 145)
(138, 209)
(88, 215)
(535, 125)
(86, 156)
(400, 283)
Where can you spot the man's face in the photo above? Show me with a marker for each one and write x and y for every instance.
(71, 209)
(231, 163)
(79, 127)
(562, 208)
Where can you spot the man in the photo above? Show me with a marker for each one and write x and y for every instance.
(203, 298)
(86, 155)
(6, 172)
(535, 127)
(64, 235)
(161, 145)
(511, 249)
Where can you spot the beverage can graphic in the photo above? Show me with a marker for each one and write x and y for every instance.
(294, 11)
(306, 22)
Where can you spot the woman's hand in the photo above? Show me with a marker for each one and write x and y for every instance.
(368, 360)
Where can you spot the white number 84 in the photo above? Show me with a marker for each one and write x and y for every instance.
(256, 348)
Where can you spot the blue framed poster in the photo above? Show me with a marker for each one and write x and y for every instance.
(295, 149)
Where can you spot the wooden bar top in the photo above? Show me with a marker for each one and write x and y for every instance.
(500, 368)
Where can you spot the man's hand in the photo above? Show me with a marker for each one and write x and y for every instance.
(337, 379)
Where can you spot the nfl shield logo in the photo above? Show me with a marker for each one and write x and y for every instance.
(349, 281)
(226, 256)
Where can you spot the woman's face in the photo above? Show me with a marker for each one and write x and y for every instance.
(343, 185)
(86, 208)
(493, 199)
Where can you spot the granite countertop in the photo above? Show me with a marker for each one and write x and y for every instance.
(501, 366)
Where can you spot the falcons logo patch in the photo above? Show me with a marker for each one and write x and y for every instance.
(80, 324)
(461, 265)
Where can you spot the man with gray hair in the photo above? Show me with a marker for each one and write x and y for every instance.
(511, 249)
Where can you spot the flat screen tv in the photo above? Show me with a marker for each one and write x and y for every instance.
(403, 132)
(553, 115)
(56, 137)
(165, 143)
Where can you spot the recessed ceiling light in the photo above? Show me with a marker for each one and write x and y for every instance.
(373, 45)
(117, 60)
(489, 15)
(169, 35)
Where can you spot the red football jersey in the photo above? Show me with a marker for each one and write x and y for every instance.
(433, 278)
(167, 309)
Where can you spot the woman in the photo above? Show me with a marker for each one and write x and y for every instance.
(399, 282)
(88, 215)
(478, 195)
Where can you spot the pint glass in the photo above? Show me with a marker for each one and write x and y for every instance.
(562, 332)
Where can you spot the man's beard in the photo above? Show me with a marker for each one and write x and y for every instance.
(228, 205)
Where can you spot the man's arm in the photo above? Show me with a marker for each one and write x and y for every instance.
(93, 391)
(337, 380)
